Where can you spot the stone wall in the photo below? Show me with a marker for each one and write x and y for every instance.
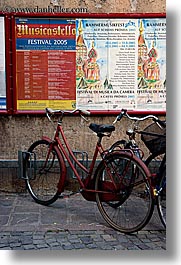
(95, 6)
(18, 132)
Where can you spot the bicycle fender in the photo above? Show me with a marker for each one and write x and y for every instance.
(100, 165)
(62, 179)
(46, 138)
(129, 155)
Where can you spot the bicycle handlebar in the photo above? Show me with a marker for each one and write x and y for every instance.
(124, 113)
(85, 112)
(51, 111)
(161, 123)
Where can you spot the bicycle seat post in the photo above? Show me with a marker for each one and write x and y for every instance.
(99, 140)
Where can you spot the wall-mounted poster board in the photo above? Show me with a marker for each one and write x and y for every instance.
(45, 63)
(99, 63)
(2, 65)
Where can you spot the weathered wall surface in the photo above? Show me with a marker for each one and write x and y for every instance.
(95, 6)
(18, 132)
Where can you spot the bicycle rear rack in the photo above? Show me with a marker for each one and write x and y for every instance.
(26, 167)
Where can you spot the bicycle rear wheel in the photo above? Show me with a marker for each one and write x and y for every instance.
(128, 207)
(43, 172)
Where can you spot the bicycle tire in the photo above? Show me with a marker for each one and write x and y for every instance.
(153, 162)
(122, 144)
(154, 158)
(134, 199)
(42, 180)
(161, 198)
(118, 145)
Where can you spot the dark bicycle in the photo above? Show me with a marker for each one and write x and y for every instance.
(154, 137)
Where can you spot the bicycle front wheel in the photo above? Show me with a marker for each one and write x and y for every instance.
(43, 172)
(117, 146)
(129, 206)
(157, 167)
(161, 198)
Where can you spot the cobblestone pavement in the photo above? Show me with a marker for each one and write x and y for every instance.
(89, 239)
(69, 224)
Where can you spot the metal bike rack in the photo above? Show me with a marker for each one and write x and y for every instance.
(82, 157)
(26, 168)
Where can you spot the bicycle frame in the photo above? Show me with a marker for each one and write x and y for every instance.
(98, 150)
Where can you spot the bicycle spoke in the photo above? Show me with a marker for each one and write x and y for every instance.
(46, 173)
(132, 206)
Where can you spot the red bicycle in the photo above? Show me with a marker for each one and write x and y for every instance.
(119, 184)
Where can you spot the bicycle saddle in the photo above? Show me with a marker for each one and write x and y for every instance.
(102, 128)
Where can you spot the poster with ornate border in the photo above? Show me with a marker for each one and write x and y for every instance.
(151, 75)
(121, 63)
(2, 65)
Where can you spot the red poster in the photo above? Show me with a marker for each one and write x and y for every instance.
(46, 63)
